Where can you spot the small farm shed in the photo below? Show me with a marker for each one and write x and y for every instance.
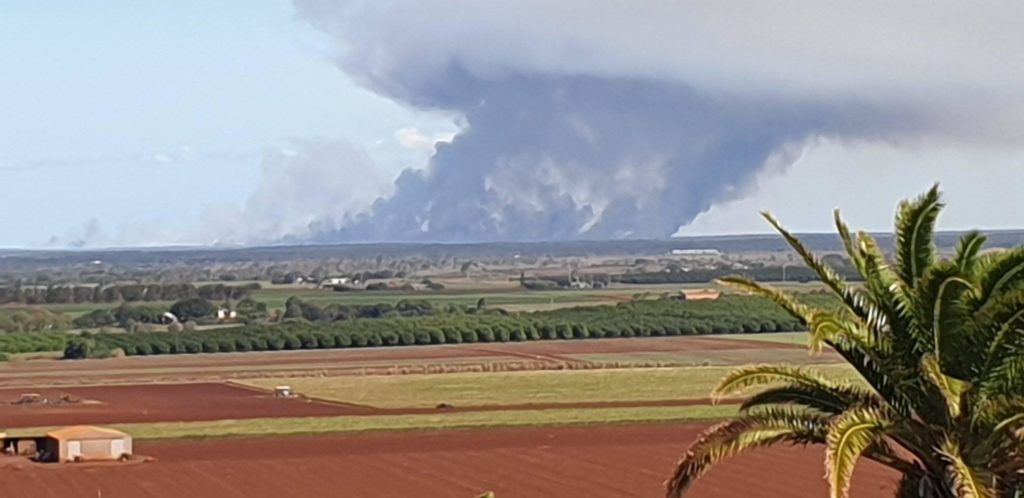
(83, 442)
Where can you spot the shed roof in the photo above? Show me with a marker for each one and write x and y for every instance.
(85, 432)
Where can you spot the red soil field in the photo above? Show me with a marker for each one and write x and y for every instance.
(197, 367)
(597, 462)
(219, 401)
(154, 403)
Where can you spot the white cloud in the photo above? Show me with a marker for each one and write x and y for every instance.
(414, 139)
(866, 180)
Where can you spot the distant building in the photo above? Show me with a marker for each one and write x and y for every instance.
(226, 314)
(699, 294)
(83, 442)
(696, 252)
(333, 281)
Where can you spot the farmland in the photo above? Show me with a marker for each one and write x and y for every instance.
(510, 410)
(599, 462)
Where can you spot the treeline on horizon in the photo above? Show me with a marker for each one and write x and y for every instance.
(70, 294)
(668, 317)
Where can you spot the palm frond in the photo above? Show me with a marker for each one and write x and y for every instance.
(967, 251)
(761, 375)
(848, 242)
(966, 480)
(995, 329)
(753, 430)
(849, 435)
(915, 225)
(952, 389)
(939, 313)
(788, 302)
(825, 272)
(997, 274)
(1006, 378)
(827, 399)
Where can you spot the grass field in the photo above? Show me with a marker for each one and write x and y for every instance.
(463, 420)
(798, 338)
(509, 388)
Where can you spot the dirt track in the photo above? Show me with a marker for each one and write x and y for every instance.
(598, 462)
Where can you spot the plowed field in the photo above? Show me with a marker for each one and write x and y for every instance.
(597, 462)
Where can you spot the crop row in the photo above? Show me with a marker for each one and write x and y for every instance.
(729, 314)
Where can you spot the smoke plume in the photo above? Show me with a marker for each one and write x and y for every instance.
(596, 119)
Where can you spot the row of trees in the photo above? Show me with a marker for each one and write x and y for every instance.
(193, 309)
(64, 294)
(24, 342)
(296, 308)
(731, 314)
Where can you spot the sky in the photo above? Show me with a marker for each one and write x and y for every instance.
(141, 123)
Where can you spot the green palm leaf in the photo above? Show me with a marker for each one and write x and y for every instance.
(967, 251)
(827, 399)
(952, 389)
(761, 375)
(915, 224)
(849, 435)
(749, 431)
(940, 343)
(788, 302)
(998, 273)
(967, 481)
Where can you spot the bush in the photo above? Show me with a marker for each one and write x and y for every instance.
(79, 348)
(452, 336)
(342, 340)
(485, 334)
(437, 337)
(226, 346)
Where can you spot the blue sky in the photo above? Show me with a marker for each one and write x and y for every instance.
(144, 112)
(193, 122)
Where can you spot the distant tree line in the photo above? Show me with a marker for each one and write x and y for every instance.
(296, 308)
(65, 294)
(704, 275)
(32, 320)
(198, 309)
(728, 314)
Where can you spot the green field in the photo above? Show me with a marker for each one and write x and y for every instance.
(459, 420)
(797, 338)
(511, 388)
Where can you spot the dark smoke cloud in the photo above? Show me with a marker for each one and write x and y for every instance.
(599, 149)
(544, 158)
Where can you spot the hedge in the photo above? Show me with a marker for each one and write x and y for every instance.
(728, 314)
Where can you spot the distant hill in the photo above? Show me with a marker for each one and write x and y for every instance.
(726, 244)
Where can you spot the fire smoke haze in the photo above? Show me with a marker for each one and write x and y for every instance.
(601, 119)
(286, 121)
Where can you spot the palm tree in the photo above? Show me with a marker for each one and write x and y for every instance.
(939, 345)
